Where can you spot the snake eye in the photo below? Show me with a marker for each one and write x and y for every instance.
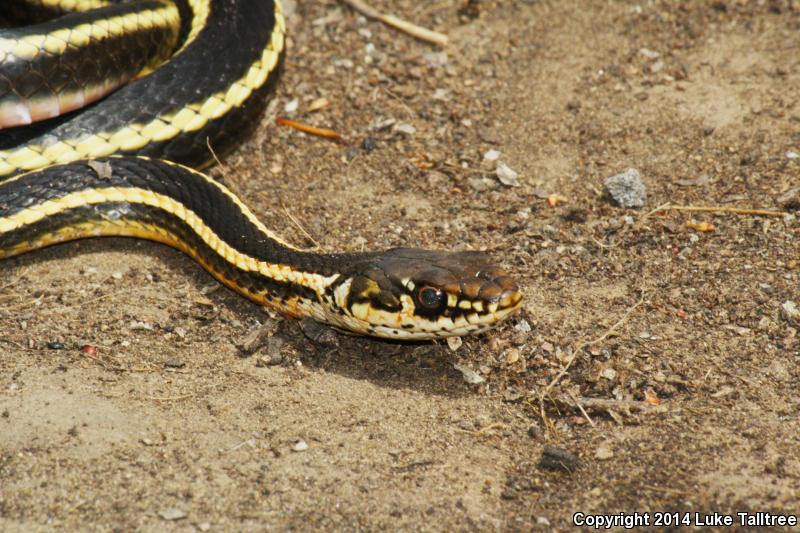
(431, 297)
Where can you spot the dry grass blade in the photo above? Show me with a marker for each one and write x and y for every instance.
(717, 209)
(577, 350)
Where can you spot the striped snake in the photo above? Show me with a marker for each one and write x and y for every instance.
(163, 80)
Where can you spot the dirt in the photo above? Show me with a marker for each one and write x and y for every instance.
(652, 351)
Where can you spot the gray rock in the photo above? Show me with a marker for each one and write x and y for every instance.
(627, 189)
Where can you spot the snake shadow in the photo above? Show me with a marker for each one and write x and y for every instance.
(421, 366)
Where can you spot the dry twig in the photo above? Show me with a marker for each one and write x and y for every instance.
(311, 130)
(577, 350)
(717, 209)
(418, 32)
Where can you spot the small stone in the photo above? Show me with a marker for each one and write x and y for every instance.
(117, 275)
(790, 199)
(407, 129)
(649, 54)
(300, 446)
(470, 376)
(172, 514)
(554, 458)
(791, 154)
(435, 59)
(441, 95)
(273, 359)
(512, 394)
(317, 104)
(255, 338)
(174, 363)
(481, 184)
(512, 356)
(627, 189)
(603, 453)
(369, 144)
(789, 311)
(204, 526)
(507, 175)
(382, 125)
(454, 343)
(291, 106)
(609, 374)
(491, 156)
(523, 326)
(318, 333)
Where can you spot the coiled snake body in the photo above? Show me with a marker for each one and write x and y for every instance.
(121, 167)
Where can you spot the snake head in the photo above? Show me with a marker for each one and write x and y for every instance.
(407, 293)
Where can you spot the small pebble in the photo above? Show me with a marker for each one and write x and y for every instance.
(609, 374)
(470, 376)
(627, 189)
(454, 343)
(408, 129)
(481, 184)
(649, 54)
(291, 106)
(603, 453)
(369, 144)
(435, 59)
(491, 156)
(789, 311)
(554, 458)
(523, 326)
(507, 175)
(172, 514)
(300, 446)
(790, 199)
(272, 359)
(512, 356)
(139, 325)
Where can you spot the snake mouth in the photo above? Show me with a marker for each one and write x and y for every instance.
(408, 293)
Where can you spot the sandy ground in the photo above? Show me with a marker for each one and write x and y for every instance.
(689, 404)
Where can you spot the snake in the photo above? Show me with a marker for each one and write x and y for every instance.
(114, 144)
